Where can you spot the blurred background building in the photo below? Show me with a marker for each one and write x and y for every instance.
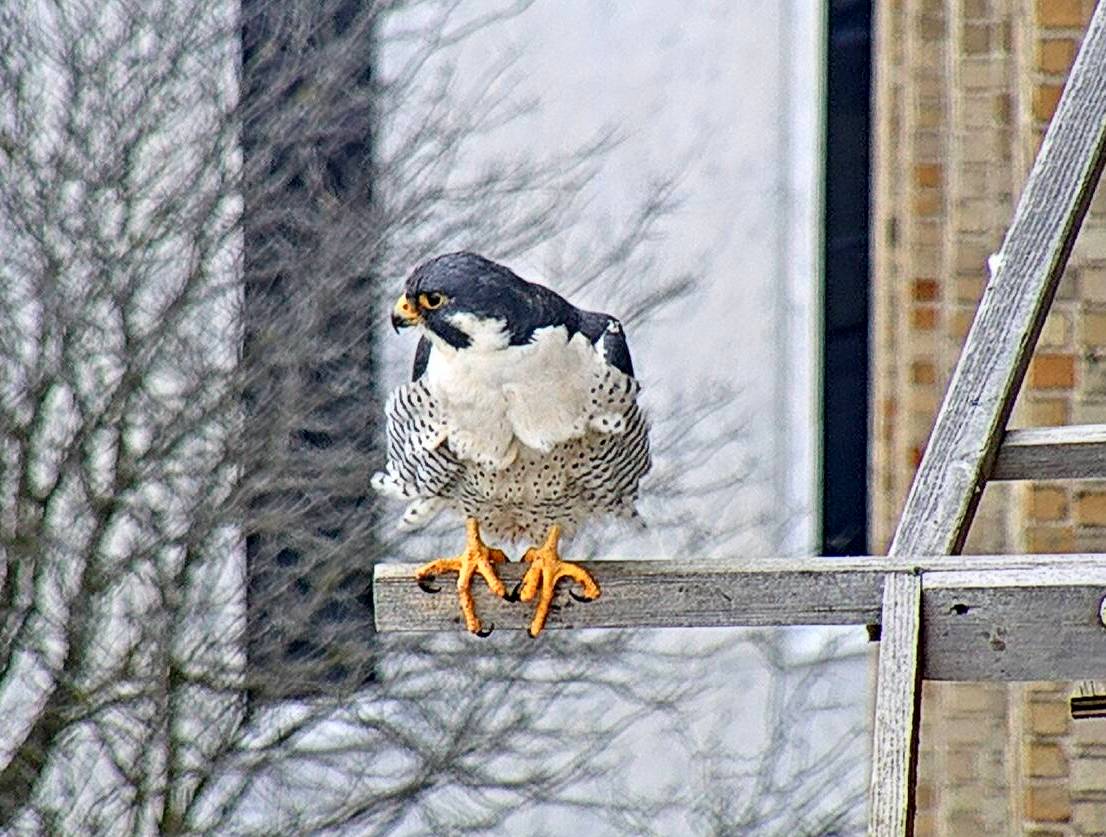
(964, 90)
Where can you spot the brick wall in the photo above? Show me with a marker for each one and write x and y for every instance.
(964, 91)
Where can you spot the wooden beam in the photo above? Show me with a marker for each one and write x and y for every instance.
(1075, 452)
(895, 737)
(977, 406)
(993, 617)
(1024, 623)
(655, 594)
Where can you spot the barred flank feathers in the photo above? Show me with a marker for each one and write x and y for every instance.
(595, 474)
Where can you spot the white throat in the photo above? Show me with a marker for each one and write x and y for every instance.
(486, 334)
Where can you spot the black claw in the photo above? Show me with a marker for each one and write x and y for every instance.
(583, 599)
(424, 585)
(513, 595)
(484, 634)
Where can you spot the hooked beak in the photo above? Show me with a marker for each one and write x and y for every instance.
(405, 314)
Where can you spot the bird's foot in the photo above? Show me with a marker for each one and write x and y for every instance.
(546, 569)
(478, 558)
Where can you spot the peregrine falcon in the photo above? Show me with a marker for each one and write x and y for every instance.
(521, 415)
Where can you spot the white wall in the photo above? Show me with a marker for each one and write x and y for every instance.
(726, 96)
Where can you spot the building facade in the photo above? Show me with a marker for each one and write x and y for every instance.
(964, 90)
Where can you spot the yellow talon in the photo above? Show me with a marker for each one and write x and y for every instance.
(478, 557)
(546, 569)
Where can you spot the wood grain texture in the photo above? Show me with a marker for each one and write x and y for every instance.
(895, 736)
(654, 594)
(1052, 453)
(1023, 623)
(981, 394)
(989, 617)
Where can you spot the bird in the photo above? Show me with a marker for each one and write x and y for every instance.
(521, 416)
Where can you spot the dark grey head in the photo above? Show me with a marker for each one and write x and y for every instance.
(454, 295)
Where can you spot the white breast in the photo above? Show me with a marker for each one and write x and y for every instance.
(496, 396)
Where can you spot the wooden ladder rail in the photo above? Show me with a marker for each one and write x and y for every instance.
(970, 426)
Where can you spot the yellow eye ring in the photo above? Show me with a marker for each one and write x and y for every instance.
(432, 300)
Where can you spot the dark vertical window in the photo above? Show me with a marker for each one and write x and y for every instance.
(308, 352)
(846, 261)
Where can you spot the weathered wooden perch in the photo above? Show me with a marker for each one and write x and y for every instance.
(1077, 452)
(998, 617)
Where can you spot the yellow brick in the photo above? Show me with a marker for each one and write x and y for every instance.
(1046, 690)
(1003, 108)
(914, 457)
(1089, 817)
(1049, 539)
(925, 290)
(960, 323)
(1045, 99)
(1048, 718)
(1090, 246)
(1090, 508)
(1060, 13)
(923, 372)
(970, 288)
(1093, 283)
(925, 822)
(1048, 503)
(927, 174)
(924, 796)
(966, 822)
(1098, 200)
(929, 116)
(975, 40)
(1057, 330)
(1090, 731)
(1068, 288)
(1088, 775)
(1056, 55)
(1047, 803)
(1094, 328)
(968, 730)
(971, 257)
(962, 767)
(923, 319)
(1052, 372)
(1089, 411)
(1048, 412)
(967, 698)
(1045, 760)
(927, 202)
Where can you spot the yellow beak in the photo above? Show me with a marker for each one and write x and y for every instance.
(405, 314)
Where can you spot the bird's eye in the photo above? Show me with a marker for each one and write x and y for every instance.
(432, 300)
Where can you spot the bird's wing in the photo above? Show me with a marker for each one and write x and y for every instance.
(606, 332)
(621, 450)
(420, 467)
(422, 358)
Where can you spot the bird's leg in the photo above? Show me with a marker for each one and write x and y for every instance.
(546, 569)
(478, 557)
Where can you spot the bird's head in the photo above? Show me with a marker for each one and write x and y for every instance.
(465, 300)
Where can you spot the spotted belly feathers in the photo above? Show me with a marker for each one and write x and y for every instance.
(560, 439)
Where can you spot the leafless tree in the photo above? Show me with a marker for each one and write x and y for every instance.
(204, 206)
